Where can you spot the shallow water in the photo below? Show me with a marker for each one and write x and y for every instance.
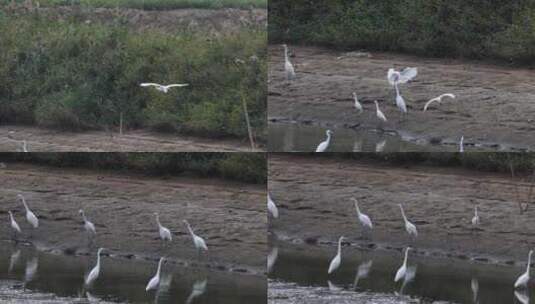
(293, 137)
(372, 272)
(30, 276)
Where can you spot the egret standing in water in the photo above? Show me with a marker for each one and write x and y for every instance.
(272, 208)
(522, 281)
(14, 226)
(164, 88)
(400, 102)
(165, 234)
(363, 218)
(155, 281)
(198, 241)
(475, 219)
(380, 115)
(325, 144)
(30, 216)
(95, 272)
(410, 227)
(335, 262)
(357, 104)
(288, 66)
(400, 274)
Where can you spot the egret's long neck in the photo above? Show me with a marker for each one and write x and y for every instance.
(190, 230)
(24, 203)
(286, 54)
(83, 217)
(340, 246)
(357, 207)
(377, 106)
(159, 268)
(98, 259)
(529, 262)
(397, 89)
(476, 211)
(158, 220)
(328, 137)
(406, 256)
(403, 213)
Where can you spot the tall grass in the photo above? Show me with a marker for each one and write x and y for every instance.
(77, 76)
(245, 167)
(155, 4)
(503, 30)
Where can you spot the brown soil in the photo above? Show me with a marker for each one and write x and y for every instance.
(229, 216)
(313, 195)
(494, 106)
(46, 140)
(209, 20)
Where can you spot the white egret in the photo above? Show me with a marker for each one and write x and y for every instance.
(400, 274)
(410, 227)
(358, 105)
(30, 216)
(198, 241)
(438, 99)
(379, 113)
(380, 146)
(410, 274)
(272, 208)
(288, 66)
(88, 226)
(14, 225)
(461, 145)
(475, 219)
(95, 272)
(272, 258)
(155, 281)
(400, 102)
(165, 234)
(335, 262)
(199, 288)
(522, 281)
(24, 146)
(164, 88)
(363, 218)
(394, 77)
(362, 272)
(325, 144)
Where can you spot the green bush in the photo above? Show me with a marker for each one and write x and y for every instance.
(503, 30)
(78, 76)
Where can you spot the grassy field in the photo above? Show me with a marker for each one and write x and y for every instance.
(502, 30)
(77, 76)
(156, 4)
(245, 167)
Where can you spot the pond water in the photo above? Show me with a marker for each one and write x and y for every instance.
(30, 276)
(371, 273)
(293, 137)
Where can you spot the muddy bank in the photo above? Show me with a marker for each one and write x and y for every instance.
(46, 140)
(214, 21)
(494, 105)
(313, 195)
(229, 216)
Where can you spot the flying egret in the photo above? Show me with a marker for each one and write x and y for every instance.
(395, 77)
(199, 288)
(272, 258)
(522, 281)
(363, 218)
(288, 66)
(325, 144)
(400, 274)
(30, 216)
(165, 234)
(14, 225)
(358, 105)
(198, 241)
(475, 219)
(155, 281)
(362, 272)
(272, 208)
(335, 262)
(379, 113)
(410, 227)
(438, 99)
(461, 145)
(94, 273)
(164, 88)
(400, 102)
(88, 226)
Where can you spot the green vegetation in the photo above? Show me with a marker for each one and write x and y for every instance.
(503, 30)
(155, 4)
(78, 76)
(245, 167)
(522, 163)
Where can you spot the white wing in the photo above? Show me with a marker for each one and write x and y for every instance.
(365, 220)
(400, 273)
(32, 219)
(272, 208)
(151, 84)
(178, 85)
(322, 147)
(199, 241)
(407, 74)
(390, 76)
(334, 264)
(381, 116)
(153, 283)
